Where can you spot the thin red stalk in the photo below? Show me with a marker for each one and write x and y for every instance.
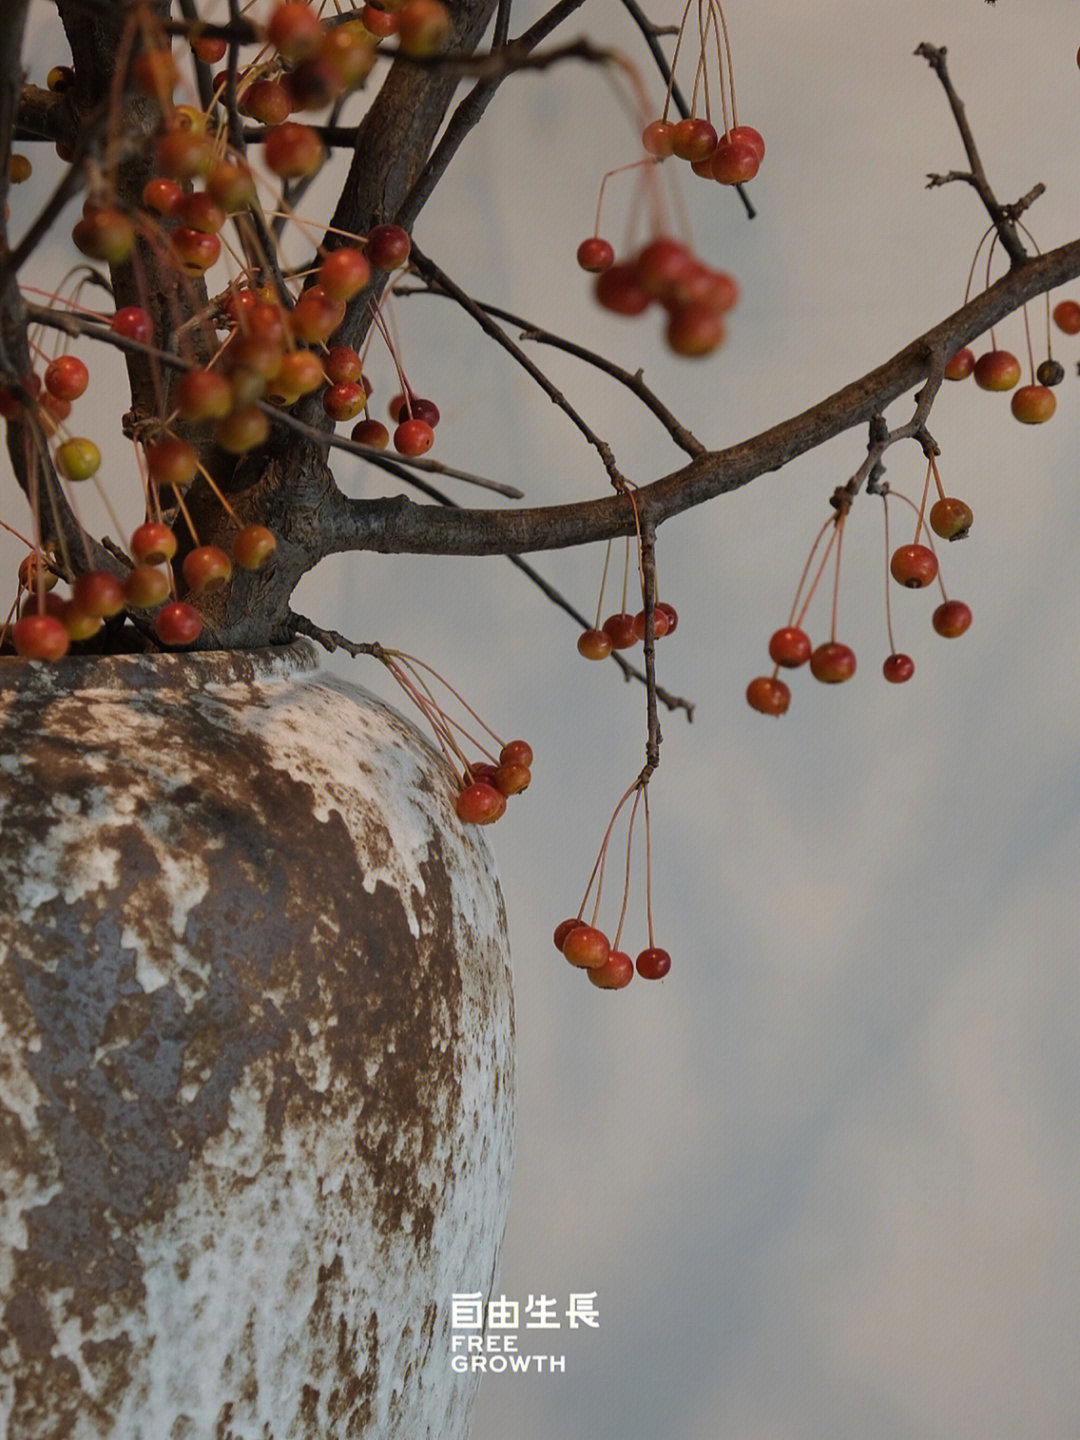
(797, 620)
(603, 583)
(412, 659)
(597, 874)
(836, 575)
(921, 521)
(626, 878)
(888, 588)
(648, 866)
(675, 59)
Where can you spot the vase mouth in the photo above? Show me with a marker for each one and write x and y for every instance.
(155, 670)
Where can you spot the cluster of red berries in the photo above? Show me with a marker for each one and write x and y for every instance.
(313, 65)
(996, 369)
(913, 566)
(487, 786)
(49, 623)
(665, 272)
(731, 159)
(283, 354)
(590, 950)
(832, 662)
(421, 27)
(622, 631)
(272, 350)
(316, 64)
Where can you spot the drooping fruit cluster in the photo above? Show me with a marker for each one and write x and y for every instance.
(730, 156)
(999, 370)
(487, 785)
(608, 968)
(589, 948)
(790, 647)
(665, 272)
(912, 566)
(622, 630)
(483, 786)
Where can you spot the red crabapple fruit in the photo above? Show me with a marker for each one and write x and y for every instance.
(768, 695)
(832, 663)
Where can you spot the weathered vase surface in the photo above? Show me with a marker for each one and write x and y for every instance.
(256, 1057)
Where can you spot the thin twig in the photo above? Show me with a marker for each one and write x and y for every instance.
(648, 572)
(682, 437)
(1002, 216)
(330, 640)
(439, 279)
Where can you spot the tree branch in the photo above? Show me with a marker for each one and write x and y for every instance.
(1002, 217)
(397, 525)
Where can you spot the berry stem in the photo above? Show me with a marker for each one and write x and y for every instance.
(189, 522)
(603, 585)
(675, 60)
(648, 866)
(805, 571)
(1030, 351)
(921, 514)
(422, 665)
(596, 876)
(1046, 298)
(715, 5)
(836, 575)
(19, 536)
(429, 709)
(626, 877)
(224, 501)
(888, 586)
(975, 260)
(797, 620)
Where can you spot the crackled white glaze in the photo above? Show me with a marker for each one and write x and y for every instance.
(256, 1058)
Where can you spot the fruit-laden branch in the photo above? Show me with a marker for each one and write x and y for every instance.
(12, 24)
(394, 169)
(400, 526)
(14, 349)
(393, 142)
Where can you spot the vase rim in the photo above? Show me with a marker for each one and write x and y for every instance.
(190, 669)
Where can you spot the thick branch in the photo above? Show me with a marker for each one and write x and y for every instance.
(43, 115)
(399, 526)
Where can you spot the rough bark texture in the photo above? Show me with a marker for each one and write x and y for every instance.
(256, 1059)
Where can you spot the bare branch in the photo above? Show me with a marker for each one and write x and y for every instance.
(683, 437)
(441, 281)
(1001, 216)
(330, 640)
